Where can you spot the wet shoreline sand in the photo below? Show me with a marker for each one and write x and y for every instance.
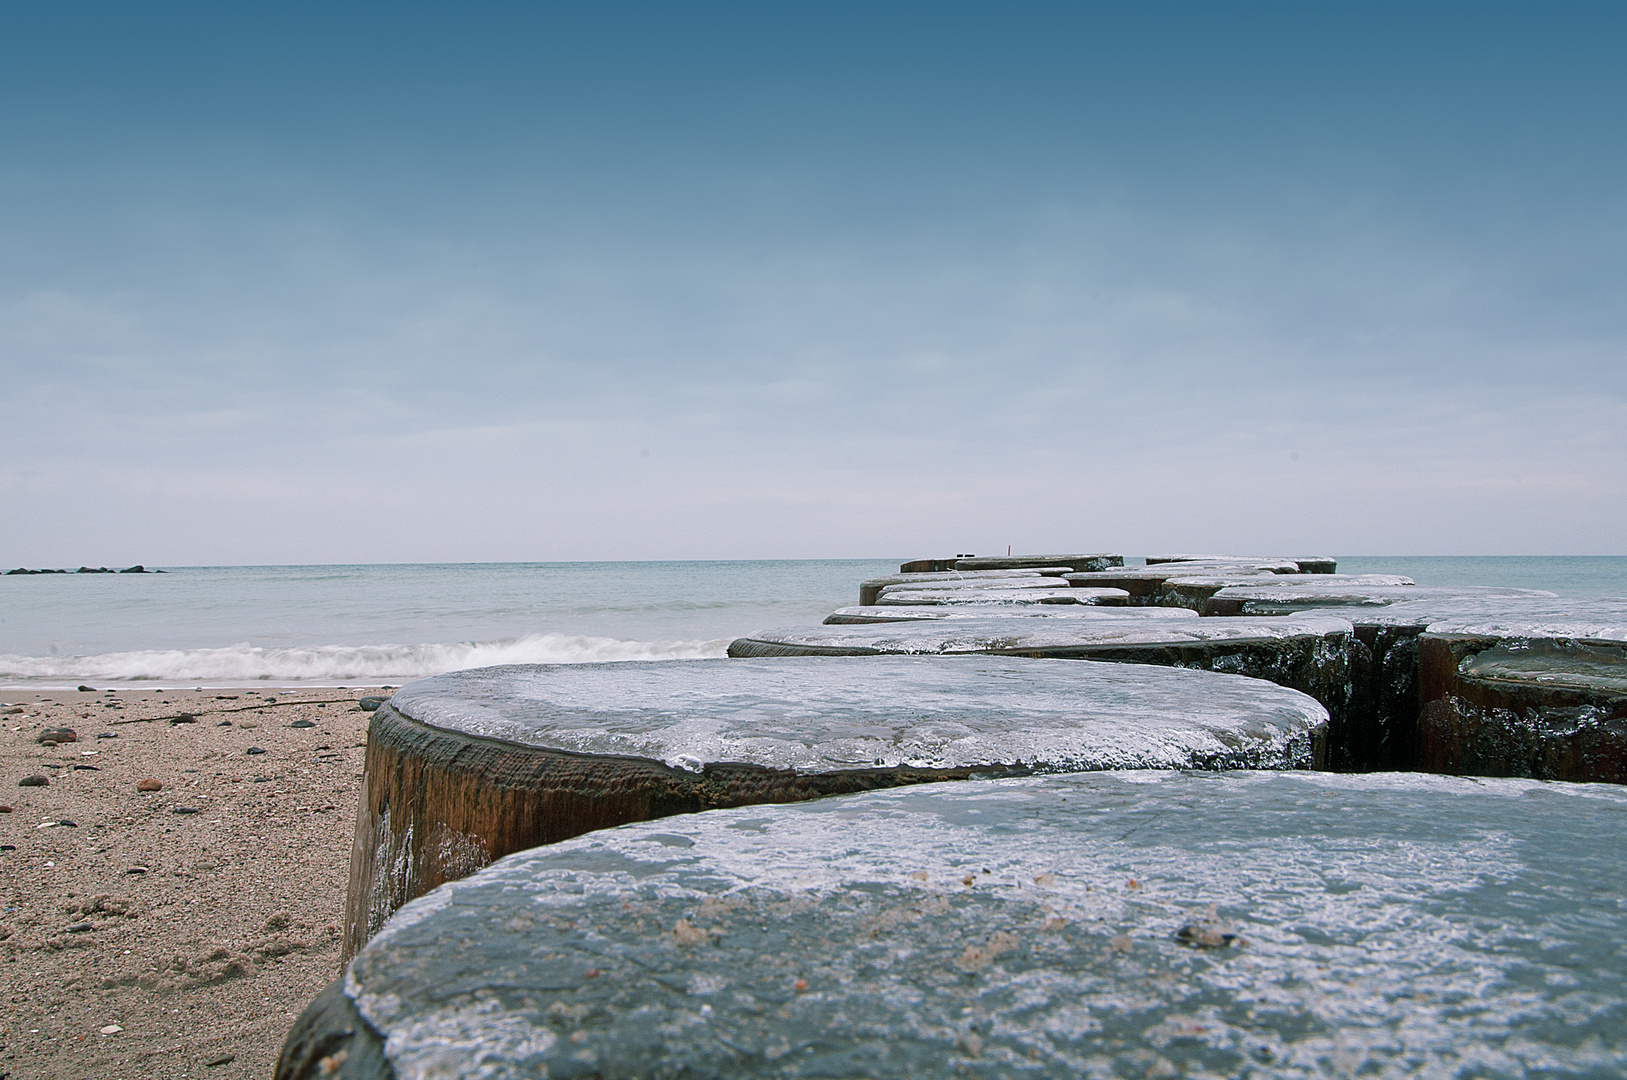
(198, 919)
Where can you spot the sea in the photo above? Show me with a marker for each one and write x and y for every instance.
(385, 624)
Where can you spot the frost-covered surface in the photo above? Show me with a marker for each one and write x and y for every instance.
(1275, 564)
(875, 614)
(1460, 606)
(1313, 582)
(1592, 666)
(1603, 619)
(1166, 571)
(1386, 925)
(996, 562)
(1051, 594)
(969, 575)
(825, 714)
(1309, 592)
(986, 635)
(975, 585)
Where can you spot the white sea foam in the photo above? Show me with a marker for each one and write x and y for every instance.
(342, 663)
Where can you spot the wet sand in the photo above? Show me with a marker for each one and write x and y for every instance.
(197, 920)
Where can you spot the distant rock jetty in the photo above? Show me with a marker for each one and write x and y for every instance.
(136, 569)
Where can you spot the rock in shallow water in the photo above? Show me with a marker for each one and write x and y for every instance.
(1115, 924)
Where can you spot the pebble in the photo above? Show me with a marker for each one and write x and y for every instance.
(88, 768)
(5, 809)
(184, 718)
(107, 734)
(224, 1059)
(53, 736)
(111, 1029)
(183, 810)
(1204, 936)
(33, 781)
(80, 928)
(224, 723)
(149, 784)
(370, 704)
(302, 724)
(250, 750)
(87, 689)
(8, 847)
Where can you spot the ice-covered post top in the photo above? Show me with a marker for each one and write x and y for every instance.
(820, 715)
(1157, 924)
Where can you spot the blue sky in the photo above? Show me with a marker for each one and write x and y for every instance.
(357, 282)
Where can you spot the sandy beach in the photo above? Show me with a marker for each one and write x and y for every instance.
(177, 932)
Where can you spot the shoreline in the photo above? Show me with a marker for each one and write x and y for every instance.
(195, 921)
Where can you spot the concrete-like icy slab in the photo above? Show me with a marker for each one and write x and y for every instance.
(869, 590)
(1029, 638)
(1528, 687)
(1093, 561)
(1526, 617)
(1198, 593)
(1388, 693)
(819, 715)
(1107, 925)
(1005, 584)
(982, 597)
(1304, 564)
(1310, 653)
(1308, 593)
(1145, 583)
(892, 613)
(1275, 564)
(467, 767)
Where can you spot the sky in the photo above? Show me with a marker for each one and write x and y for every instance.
(422, 282)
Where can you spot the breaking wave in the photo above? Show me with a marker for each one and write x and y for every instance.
(344, 663)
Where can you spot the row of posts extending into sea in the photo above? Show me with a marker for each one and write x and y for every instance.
(1050, 814)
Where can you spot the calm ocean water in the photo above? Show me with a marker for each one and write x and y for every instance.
(316, 625)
